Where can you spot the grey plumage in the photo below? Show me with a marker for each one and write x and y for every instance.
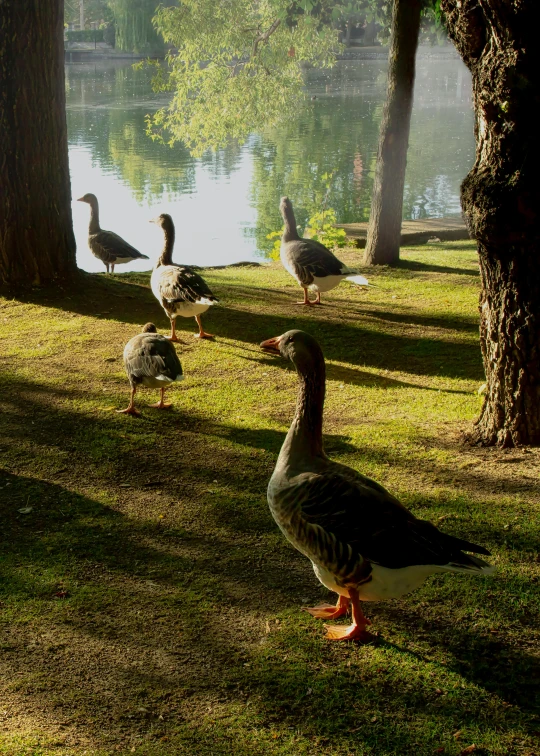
(107, 246)
(150, 359)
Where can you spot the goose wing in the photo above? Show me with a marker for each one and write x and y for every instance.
(358, 511)
(311, 259)
(182, 284)
(108, 247)
(151, 355)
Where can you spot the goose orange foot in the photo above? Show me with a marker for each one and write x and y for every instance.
(176, 339)
(161, 405)
(204, 335)
(329, 611)
(349, 632)
(130, 411)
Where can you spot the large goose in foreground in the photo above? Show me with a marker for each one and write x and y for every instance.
(178, 289)
(107, 246)
(363, 543)
(310, 262)
(150, 360)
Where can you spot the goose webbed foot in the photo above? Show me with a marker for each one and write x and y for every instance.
(130, 409)
(202, 333)
(357, 630)
(349, 632)
(329, 611)
(162, 404)
(310, 302)
(175, 339)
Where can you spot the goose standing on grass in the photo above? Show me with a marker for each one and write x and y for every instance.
(363, 543)
(310, 262)
(107, 246)
(151, 360)
(178, 289)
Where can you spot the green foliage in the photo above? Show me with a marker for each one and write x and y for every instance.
(251, 71)
(320, 227)
(85, 35)
(134, 29)
(276, 246)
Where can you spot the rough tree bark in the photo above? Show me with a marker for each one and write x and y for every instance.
(384, 229)
(500, 197)
(37, 245)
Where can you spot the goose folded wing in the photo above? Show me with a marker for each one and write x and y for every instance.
(113, 246)
(313, 259)
(363, 514)
(184, 285)
(153, 359)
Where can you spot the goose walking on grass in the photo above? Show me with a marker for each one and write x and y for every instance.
(310, 262)
(107, 246)
(178, 289)
(151, 360)
(363, 543)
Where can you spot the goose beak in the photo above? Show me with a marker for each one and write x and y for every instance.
(80, 199)
(153, 220)
(271, 345)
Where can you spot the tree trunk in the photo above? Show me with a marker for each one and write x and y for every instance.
(501, 202)
(384, 229)
(37, 245)
(348, 29)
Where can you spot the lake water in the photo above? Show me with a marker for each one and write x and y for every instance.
(225, 203)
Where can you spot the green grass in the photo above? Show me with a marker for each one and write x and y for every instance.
(148, 602)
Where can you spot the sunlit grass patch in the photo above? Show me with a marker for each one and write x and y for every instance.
(148, 602)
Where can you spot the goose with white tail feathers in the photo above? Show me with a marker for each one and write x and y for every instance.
(179, 289)
(363, 543)
(310, 262)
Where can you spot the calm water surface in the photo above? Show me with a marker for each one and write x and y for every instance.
(225, 203)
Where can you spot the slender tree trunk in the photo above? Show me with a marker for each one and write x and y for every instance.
(498, 41)
(37, 245)
(384, 229)
(348, 30)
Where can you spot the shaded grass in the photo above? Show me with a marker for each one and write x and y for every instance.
(148, 603)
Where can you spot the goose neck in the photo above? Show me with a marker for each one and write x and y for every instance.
(166, 255)
(304, 439)
(94, 227)
(290, 232)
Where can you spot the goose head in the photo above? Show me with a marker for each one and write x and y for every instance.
(149, 328)
(164, 220)
(89, 198)
(298, 347)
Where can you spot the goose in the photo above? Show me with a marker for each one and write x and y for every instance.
(363, 543)
(107, 246)
(310, 262)
(178, 289)
(150, 360)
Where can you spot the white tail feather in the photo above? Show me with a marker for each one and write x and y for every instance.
(357, 279)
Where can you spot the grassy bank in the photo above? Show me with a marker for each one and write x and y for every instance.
(148, 603)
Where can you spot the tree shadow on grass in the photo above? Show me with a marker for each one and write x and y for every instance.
(340, 340)
(158, 629)
(419, 267)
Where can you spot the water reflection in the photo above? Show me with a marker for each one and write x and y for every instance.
(225, 203)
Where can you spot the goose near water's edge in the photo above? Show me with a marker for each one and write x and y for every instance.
(107, 246)
(310, 262)
(179, 289)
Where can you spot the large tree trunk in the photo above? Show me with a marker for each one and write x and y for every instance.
(498, 41)
(37, 245)
(384, 229)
